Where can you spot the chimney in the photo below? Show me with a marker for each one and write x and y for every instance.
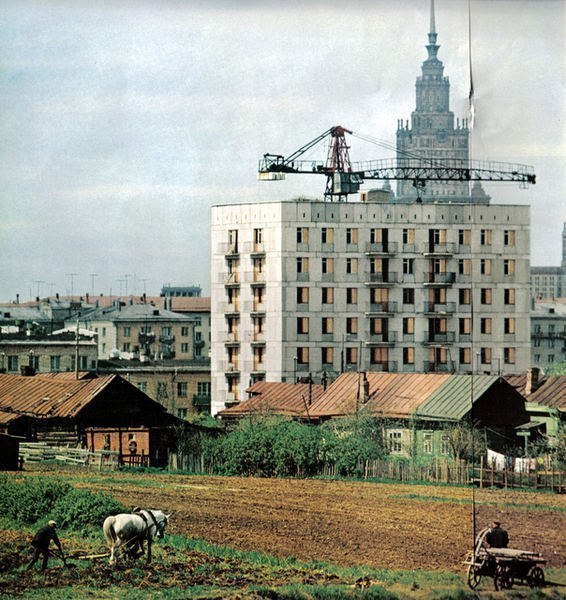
(17, 298)
(532, 380)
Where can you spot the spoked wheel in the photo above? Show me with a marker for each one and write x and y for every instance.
(535, 577)
(474, 576)
(503, 580)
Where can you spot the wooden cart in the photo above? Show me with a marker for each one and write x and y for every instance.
(506, 566)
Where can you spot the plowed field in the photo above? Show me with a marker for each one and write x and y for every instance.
(350, 523)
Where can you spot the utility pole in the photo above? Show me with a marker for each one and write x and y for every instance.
(92, 276)
(72, 276)
(77, 351)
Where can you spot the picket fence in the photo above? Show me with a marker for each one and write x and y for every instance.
(35, 452)
(439, 471)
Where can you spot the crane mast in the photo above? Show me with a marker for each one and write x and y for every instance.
(344, 177)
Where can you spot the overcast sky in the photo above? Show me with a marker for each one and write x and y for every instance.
(122, 123)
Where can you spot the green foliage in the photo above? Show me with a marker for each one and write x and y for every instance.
(81, 508)
(465, 442)
(29, 500)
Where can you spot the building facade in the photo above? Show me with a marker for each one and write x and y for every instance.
(305, 287)
(550, 282)
(548, 334)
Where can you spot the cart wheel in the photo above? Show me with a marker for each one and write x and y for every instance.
(535, 578)
(474, 576)
(502, 580)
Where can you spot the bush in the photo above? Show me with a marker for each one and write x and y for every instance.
(81, 508)
(29, 500)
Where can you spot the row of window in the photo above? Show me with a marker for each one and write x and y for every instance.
(127, 330)
(203, 388)
(379, 356)
(13, 362)
(395, 442)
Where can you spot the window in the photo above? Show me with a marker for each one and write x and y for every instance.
(327, 295)
(378, 236)
(444, 444)
(465, 296)
(509, 267)
(485, 295)
(166, 331)
(378, 326)
(327, 325)
(351, 265)
(509, 237)
(465, 356)
(327, 356)
(485, 266)
(182, 413)
(394, 439)
(485, 237)
(232, 295)
(125, 347)
(351, 356)
(258, 323)
(485, 325)
(303, 355)
(185, 348)
(427, 442)
(408, 266)
(327, 265)
(142, 386)
(203, 388)
(351, 295)
(233, 240)
(408, 295)
(379, 356)
(408, 236)
(258, 237)
(302, 235)
(409, 356)
(465, 325)
(258, 294)
(302, 295)
(509, 296)
(302, 264)
(257, 266)
(464, 237)
(55, 363)
(182, 389)
(464, 266)
(13, 362)
(351, 235)
(509, 325)
(302, 325)
(408, 325)
(327, 235)
(509, 356)
(184, 331)
(127, 331)
(485, 356)
(352, 325)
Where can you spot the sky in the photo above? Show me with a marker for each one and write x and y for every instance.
(123, 122)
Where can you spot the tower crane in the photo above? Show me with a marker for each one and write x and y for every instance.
(344, 177)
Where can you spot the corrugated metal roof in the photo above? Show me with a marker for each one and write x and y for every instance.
(454, 398)
(275, 398)
(47, 396)
(390, 394)
(551, 393)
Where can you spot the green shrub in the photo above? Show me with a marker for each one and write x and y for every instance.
(81, 508)
(29, 500)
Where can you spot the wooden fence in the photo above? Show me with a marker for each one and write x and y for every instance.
(35, 452)
(456, 472)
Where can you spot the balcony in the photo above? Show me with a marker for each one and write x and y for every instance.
(202, 402)
(387, 338)
(387, 366)
(381, 248)
(435, 308)
(232, 339)
(440, 279)
(166, 339)
(229, 250)
(255, 277)
(257, 309)
(441, 249)
(167, 353)
(231, 369)
(146, 337)
(258, 249)
(446, 337)
(380, 279)
(230, 279)
(229, 308)
(303, 277)
(380, 308)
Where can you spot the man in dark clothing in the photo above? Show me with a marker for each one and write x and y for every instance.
(40, 544)
(497, 537)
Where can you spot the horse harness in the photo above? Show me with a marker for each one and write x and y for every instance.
(147, 525)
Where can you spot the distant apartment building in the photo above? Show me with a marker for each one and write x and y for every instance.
(548, 334)
(141, 331)
(550, 282)
(304, 287)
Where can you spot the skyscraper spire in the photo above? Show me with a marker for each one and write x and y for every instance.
(432, 47)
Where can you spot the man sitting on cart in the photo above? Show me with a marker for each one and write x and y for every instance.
(497, 537)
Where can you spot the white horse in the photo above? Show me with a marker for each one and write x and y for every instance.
(133, 529)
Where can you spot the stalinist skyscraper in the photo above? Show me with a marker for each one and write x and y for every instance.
(432, 133)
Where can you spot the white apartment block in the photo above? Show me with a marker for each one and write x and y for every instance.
(305, 287)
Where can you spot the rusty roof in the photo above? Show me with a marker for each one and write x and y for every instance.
(275, 398)
(395, 395)
(47, 397)
(551, 393)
